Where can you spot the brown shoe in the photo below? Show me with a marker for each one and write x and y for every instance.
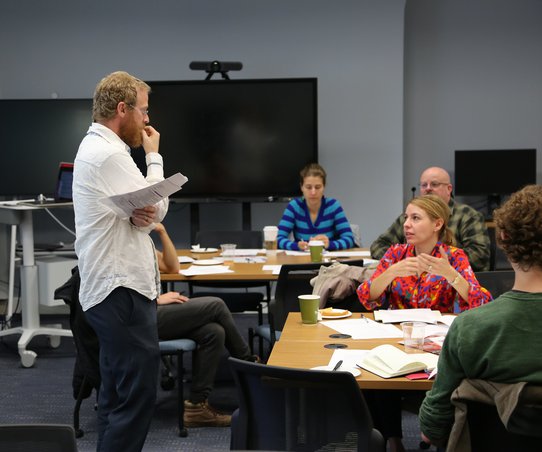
(203, 415)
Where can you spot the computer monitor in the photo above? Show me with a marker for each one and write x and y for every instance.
(493, 172)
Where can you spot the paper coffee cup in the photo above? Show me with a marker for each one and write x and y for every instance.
(270, 237)
(308, 305)
(316, 248)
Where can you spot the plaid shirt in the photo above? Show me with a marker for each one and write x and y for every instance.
(468, 226)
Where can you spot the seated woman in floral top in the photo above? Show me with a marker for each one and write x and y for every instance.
(427, 271)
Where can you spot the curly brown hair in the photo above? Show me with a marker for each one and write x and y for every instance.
(519, 227)
(114, 88)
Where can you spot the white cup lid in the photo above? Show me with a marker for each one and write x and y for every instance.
(316, 243)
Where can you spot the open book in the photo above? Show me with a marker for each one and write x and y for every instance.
(388, 361)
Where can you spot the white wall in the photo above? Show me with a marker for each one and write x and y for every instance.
(353, 47)
(473, 80)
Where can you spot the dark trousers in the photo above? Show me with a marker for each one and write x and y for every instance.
(125, 323)
(385, 408)
(208, 322)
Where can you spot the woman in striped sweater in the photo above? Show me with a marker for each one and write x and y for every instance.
(314, 216)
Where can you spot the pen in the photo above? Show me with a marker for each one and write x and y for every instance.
(339, 363)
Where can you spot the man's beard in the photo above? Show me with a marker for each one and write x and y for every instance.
(130, 134)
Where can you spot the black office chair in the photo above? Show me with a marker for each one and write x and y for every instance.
(236, 299)
(497, 282)
(37, 437)
(86, 374)
(293, 280)
(488, 433)
(282, 408)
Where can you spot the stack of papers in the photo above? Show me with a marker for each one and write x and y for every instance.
(407, 315)
(364, 329)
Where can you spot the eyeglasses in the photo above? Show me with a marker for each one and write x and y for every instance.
(432, 185)
(144, 112)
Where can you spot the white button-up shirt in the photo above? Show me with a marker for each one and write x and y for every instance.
(112, 252)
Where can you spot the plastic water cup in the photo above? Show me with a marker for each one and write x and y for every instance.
(413, 336)
(228, 251)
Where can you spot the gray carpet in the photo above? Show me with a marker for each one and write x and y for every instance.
(43, 394)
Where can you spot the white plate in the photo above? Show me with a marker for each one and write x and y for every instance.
(348, 314)
(208, 262)
(204, 250)
(353, 371)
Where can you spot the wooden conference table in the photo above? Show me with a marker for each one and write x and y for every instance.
(302, 346)
(246, 271)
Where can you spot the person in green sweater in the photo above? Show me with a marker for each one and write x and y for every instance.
(499, 341)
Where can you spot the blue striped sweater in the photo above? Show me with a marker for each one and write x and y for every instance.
(331, 221)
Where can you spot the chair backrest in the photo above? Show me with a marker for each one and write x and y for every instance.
(488, 433)
(296, 409)
(497, 282)
(37, 437)
(243, 239)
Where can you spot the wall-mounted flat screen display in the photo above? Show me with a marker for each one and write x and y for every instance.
(493, 172)
(36, 135)
(236, 138)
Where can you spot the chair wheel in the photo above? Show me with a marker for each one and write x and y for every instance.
(183, 433)
(79, 433)
(167, 383)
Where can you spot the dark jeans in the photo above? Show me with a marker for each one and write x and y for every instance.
(207, 321)
(125, 323)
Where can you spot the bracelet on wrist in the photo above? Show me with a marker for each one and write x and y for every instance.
(456, 280)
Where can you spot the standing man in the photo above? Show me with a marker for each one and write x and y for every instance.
(119, 275)
(467, 224)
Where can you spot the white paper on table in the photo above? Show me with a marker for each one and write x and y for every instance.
(185, 259)
(347, 254)
(436, 330)
(407, 315)
(205, 270)
(350, 358)
(248, 252)
(274, 268)
(250, 259)
(123, 205)
(364, 329)
(447, 319)
(296, 253)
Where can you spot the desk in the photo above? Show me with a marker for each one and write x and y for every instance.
(22, 215)
(244, 271)
(302, 346)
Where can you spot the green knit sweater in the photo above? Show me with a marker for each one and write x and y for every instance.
(500, 341)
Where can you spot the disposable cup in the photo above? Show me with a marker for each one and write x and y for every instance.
(270, 238)
(316, 248)
(228, 252)
(308, 305)
(413, 335)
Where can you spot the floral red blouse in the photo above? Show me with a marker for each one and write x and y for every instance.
(427, 290)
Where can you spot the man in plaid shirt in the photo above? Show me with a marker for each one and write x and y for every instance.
(467, 224)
